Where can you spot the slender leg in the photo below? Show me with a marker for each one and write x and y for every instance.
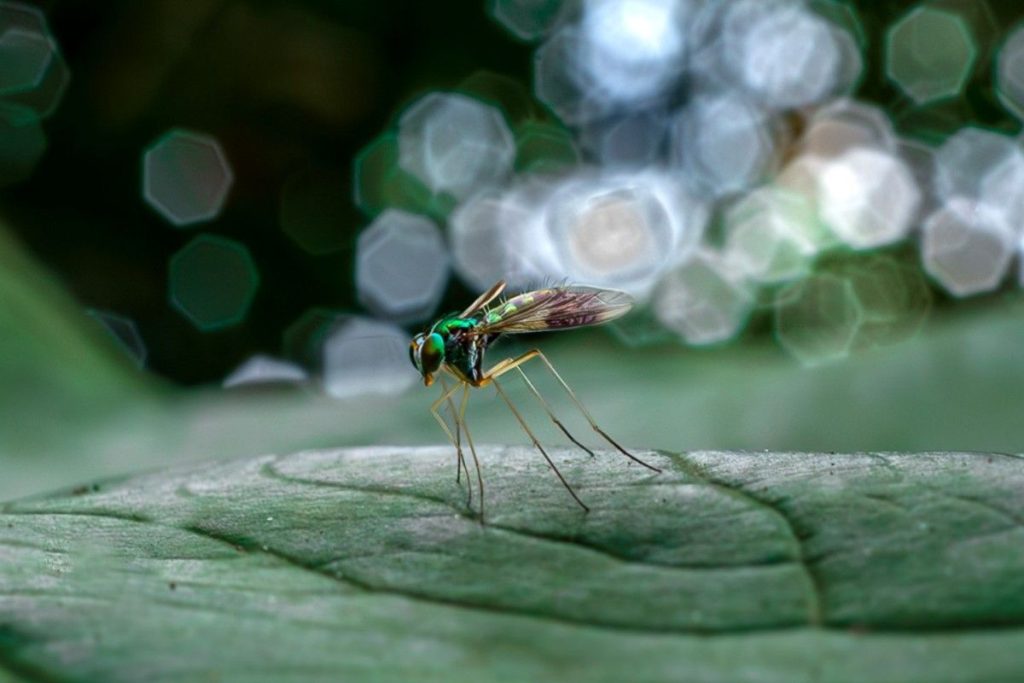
(536, 443)
(472, 448)
(511, 363)
(551, 414)
(434, 410)
(460, 461)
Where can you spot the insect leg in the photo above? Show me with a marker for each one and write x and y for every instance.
(501, 367)
(551, 414)
(536, 443)
(460, 461)
(510, 363)
(472, 448)
(586, 414)
(434, 410)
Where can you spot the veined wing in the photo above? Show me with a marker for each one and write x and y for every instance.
(557, 308)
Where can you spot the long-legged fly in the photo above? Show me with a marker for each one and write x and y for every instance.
(455, 345)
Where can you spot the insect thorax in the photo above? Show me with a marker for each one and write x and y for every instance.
(463, 348)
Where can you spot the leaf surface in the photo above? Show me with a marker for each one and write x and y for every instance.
(366, 565)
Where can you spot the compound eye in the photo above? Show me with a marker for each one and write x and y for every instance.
(432, 353)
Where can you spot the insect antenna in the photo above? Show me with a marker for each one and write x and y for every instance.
(536, 443)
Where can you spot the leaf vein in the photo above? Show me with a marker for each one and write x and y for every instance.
(815, 591)
(574, 542)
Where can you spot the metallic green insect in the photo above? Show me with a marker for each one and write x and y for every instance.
(455, 345)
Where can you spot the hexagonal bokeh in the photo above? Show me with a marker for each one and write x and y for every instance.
(313, 212)
(851, 62)
(544, 148)
(632, 50)
(21, 148)
(967, 247)
(303, 340)
(402, 266)
(921, 159)
(1010, 72)
(850, 38)
(783, 54)
(381, 184)
(800, 177)
(966, 160)
(265, 371)
(510, 95)
(213, 281)
(985, 28)
(930, 54)
(1002, 191)
(641, 329)
(933, 122)
(620, 230)
(33, 74)
(893, 295)
(527, 20)
(186, 177)
(723, 142)
(635, 140)
(454, 144)
(846, 124)
(701, 302)
(481, 232)
(868, 198)
(843, 15)
(771, 236)
(361, 357)
(559, 82)
(25, 56)
(817, 319)
(124, 332)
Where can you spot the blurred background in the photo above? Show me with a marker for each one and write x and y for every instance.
(221, 220)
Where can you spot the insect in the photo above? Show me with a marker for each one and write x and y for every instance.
(455, 346)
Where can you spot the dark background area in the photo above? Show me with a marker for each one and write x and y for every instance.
(287, 88)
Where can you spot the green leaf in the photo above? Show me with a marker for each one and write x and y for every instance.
(366, 565)
(57, 366)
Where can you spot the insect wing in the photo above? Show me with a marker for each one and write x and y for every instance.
(558, 308)
(484, 299)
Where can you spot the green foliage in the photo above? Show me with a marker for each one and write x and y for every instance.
(56, 364)
(366, 565)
